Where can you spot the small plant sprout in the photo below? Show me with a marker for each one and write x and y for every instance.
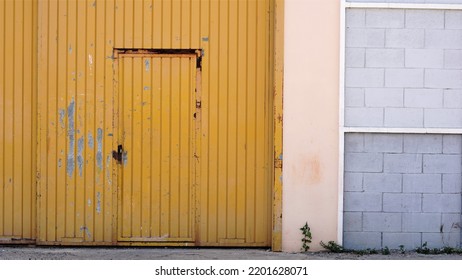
(401, 249)
(332, 246)
(385, 251)
(306, 240)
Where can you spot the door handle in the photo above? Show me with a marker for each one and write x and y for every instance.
(117, 155)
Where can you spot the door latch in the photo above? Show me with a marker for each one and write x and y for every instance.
(118, 155)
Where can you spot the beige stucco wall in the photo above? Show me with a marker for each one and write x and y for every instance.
(311, 114)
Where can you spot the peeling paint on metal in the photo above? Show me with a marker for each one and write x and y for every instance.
(124, 158)
(87, 231)
(70, 49)
(146, 65)
(280, 156)
(108, 170)
(89, 202)
(147, 88)
(71, 135)
(60, 163)
(99, 151)
(98, 202)
(80, 160)
(62, 115)
(90, 64)
(205, 39)
(91, 142)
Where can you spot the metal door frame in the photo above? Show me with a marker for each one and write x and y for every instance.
(117, 169)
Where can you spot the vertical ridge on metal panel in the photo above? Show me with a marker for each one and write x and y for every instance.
(17, 161)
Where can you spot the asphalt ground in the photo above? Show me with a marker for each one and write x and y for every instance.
(150, 253)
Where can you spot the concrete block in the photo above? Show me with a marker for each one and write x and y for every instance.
(453, 59)
(441, 203)
(364, 77)
(399, 202)
(440, 240)
(423, 98)
(451, 222)
(364, 162)
(353, 182)
(355, 17)
(424, 58)
(364, 117)
(443, 39)
(383, 222)
(382, 182)
(363, 37)
(383, 143)
(361, 202)
(453, 20)
(387, 58)
(421, 222)
(452, 144)
(403, 163)
(355, 57)
(443, 78)
(425, 19)
(404, 38)
(362, 240)
(443, 118)
(385, 18)
(354, 97)
(418, 143)
(384, 97)
(422, 183)
(452, 183)
(404, 78)
(442, 164)
(410, 241)
(352, 221)
(404, 117)
(452, 98)
(354, 142)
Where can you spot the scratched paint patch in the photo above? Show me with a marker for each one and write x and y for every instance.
(99, 148)
(80, 146)
(90, 64)
(71, 138)
(124, 158)
(62, 115)
(91, 142)
(86, 230)
(108, 170)
(98, 202)
(146, 65)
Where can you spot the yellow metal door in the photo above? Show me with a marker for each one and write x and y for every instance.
(156, 147)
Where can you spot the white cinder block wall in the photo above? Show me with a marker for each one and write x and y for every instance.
(403, 69)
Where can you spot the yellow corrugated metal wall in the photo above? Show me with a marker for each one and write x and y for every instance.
(78, 116)
(17, 121)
